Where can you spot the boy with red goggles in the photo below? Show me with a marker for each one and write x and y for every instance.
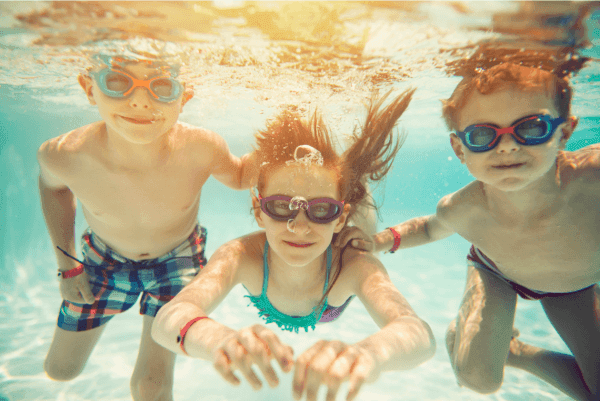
(532, 217)
(138, 174)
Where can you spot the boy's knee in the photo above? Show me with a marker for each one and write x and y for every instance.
(61, 370)
(150, 387)
(479, 379)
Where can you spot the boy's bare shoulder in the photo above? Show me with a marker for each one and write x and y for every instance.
(196, 137)
(460, 204)
(60, 152)
(582, 166)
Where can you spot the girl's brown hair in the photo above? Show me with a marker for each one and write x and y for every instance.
(369, 157)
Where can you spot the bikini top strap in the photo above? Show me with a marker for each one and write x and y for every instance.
(329, 255)
(265, 270)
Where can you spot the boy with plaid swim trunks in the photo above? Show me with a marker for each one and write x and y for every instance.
(138, 174)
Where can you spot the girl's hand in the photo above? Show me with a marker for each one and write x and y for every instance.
(77, 289)
(330, 363)
(252, 345)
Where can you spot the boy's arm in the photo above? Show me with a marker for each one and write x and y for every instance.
(236, 173)
(58, 206)
(414, 232)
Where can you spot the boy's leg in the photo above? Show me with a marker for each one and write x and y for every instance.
(152, 377)
(478, 341)
(69, 352)
(576, 318)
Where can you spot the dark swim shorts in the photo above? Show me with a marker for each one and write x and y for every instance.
(117, 282)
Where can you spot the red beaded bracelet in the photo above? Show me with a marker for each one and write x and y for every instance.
(76, 271)
(185, 329)
(397, 240)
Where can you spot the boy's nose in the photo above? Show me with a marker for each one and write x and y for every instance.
(140, 99)
(507, 143)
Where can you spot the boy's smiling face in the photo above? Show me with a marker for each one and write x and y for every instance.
(137, 118)
(510, 166)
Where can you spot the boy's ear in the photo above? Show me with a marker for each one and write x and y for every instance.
(256, 208)
(86, 83)
(341, 221)
(568, 128)
(188, 93)
(457, 146)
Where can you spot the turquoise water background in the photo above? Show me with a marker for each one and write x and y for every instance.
(431, 277)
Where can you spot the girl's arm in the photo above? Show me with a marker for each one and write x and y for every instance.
(404, 341)
(207, 339)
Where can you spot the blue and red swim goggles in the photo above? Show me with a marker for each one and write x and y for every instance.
(530, 130)
(119, 84)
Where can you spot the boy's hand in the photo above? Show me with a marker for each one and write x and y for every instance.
(253, 345)
(360, 239)
(330, 363)
(77, 289)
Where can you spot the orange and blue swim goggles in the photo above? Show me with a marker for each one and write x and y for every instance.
(530, 130)
(119, 84)
(284, 208)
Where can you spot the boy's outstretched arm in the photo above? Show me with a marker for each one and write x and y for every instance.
(414, 232)
(58, 206)
(235, 172)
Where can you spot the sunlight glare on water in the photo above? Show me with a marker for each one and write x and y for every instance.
(246, 61)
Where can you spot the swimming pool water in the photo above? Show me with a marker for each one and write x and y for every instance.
(431, 277)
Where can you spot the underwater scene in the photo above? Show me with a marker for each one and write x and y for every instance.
(247, 61)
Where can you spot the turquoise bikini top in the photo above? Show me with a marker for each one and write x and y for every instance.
(287, 322)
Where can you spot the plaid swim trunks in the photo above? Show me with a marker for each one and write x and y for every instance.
(117, 282)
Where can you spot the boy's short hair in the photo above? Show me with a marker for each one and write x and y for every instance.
(506, 75)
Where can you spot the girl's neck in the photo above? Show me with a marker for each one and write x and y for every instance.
(291, 277)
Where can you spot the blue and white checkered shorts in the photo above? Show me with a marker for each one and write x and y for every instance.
(117, 282)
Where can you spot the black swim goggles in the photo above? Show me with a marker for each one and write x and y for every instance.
(119, 84)
(530, 130)
(284, 208)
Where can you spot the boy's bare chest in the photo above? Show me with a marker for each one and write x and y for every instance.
(146, 198)
(558, 251)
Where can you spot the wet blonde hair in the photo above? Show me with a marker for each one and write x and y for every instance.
(504, 76)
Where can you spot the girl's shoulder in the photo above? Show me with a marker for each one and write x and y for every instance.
(357, 266)
(247, 254)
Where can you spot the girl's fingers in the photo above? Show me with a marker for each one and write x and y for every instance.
(302, 366)
(283, 354)
(243, 361)
(361, 370)
(223, 366)
(260, 354)
(339, 372)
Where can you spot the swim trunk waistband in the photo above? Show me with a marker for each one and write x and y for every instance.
(480, 261)
(104, 255)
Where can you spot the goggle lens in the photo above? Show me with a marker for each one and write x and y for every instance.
(119, 84)
(321, 211)
(532, 130)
